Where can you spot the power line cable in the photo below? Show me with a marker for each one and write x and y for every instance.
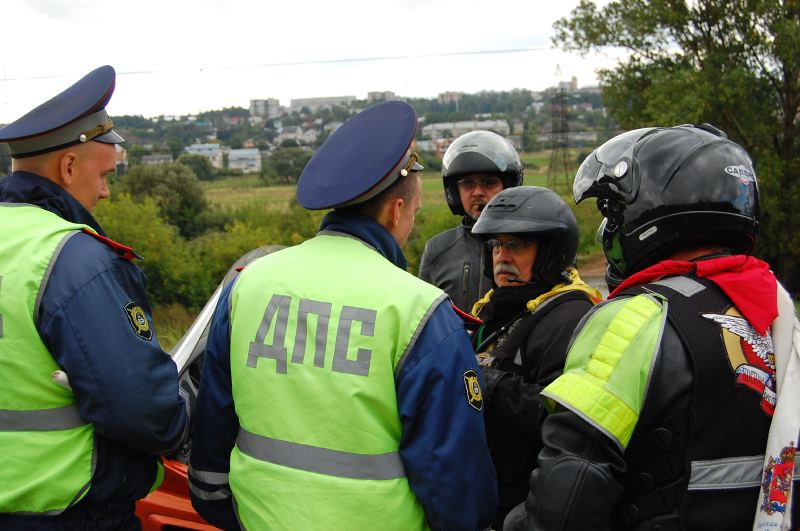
(278, 64)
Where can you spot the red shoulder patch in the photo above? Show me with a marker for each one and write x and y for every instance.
(239, 269)
(470, 322)
(125, 251)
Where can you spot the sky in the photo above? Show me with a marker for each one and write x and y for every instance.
(177, 57)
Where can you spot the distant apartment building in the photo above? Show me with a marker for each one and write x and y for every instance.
(212, 151)
(122, 159)
(158, 158)
(268, 108)
(568, 86)
(574, 138)
(247, 160)
(456, 129)
(446, 98)
(295, 132)
(378, 96)
(315, 104)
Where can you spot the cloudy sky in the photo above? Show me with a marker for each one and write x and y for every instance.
(180, 56)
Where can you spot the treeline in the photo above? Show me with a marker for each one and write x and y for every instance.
(187, 244)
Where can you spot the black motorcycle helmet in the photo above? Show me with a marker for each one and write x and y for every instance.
(536, 213)
(478, 152)
(662, 190)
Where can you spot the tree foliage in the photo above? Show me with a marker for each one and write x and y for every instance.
(287, 163)
(176, 191)
(734, 64)
(200, 165)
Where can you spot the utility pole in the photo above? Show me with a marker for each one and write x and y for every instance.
(559, 172)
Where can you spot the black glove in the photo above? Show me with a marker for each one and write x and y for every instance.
(491, 377)
(188, 392)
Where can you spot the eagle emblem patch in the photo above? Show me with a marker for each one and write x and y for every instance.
(473, 387)
(138, 320)
(750, 354)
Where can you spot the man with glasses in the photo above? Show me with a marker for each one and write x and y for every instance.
(475, 168)
(536, 302)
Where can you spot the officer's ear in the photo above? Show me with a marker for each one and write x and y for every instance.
(395, 206)
(67, 166)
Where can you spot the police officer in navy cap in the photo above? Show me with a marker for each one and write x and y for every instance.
(76, 451)
(339, 391)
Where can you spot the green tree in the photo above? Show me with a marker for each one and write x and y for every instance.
(288, 163)
(200, 165)
(135, 154)
(176, 191)
(735, 64)
(141, 225)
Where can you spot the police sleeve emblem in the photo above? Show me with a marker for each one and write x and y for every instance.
(473, 387)
(138, 320)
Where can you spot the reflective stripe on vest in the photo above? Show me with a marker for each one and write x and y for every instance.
(220, 490)
(728, 473)
(315, 347)
(60, 418)
(46, 449)
(608, 366)
(321, 460)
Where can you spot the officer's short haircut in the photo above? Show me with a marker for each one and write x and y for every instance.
(403, 187)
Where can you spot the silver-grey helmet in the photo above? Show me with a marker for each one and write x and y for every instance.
(479, 152)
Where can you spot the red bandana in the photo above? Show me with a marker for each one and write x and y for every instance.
(746, 280)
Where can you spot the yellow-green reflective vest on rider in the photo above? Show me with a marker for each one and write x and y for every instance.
(46, 450)
(317, 333)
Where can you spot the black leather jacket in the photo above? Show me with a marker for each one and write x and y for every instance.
(511, 390)
(453, 261)
(581, 472)
(586, 481)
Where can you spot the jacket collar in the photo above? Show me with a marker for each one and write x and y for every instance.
(369, 231)
(24, 187)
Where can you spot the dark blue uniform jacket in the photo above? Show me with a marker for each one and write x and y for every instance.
(443, 447)
(123, 382)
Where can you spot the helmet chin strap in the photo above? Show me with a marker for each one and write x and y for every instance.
(613, 280)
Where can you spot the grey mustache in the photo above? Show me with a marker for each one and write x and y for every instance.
(506, 268)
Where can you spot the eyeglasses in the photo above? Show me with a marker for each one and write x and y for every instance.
(513, 246)
(487, 183)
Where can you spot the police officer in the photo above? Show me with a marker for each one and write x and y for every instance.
(476, 166)
(75, 454)
(669, 389)
(339, 391)
(537, 300)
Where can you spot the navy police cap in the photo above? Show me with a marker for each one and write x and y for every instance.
(361, 158)
(74, 116)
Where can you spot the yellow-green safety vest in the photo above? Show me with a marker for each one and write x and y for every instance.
(318, 332)
(46, 449)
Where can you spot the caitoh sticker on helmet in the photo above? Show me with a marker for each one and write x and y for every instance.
(473, 387)
(649, 232)
(740, 171)
(138, 320)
